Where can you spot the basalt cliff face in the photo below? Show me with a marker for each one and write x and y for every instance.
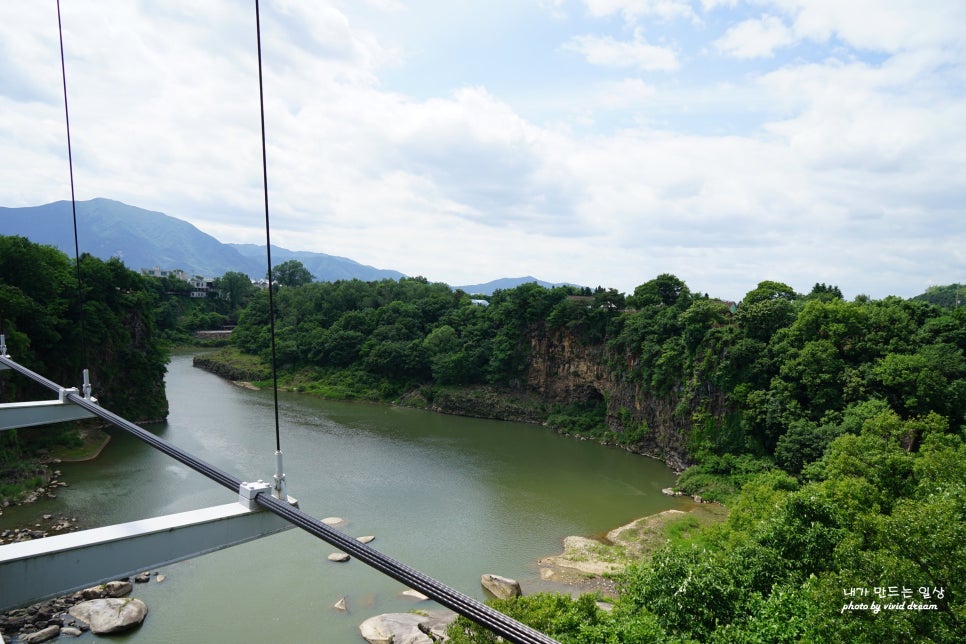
(562, 369)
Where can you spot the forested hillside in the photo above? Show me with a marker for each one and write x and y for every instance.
(674, 373)
(833, 429)
(45, 329)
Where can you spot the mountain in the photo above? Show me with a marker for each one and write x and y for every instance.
(144, 238)
(141, 238)
(324, 268)
(505, 283)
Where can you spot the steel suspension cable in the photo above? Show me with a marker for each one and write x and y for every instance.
(73, 200)
(268, 238)
(479, 612)
(499, 623)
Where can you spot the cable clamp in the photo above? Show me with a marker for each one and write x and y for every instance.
(248, 491)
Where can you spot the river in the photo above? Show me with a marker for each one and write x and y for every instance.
(453, 497)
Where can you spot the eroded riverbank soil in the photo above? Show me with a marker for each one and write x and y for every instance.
(591, 564)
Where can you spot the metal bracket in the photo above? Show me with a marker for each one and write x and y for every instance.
(248, 491)
(279, 490)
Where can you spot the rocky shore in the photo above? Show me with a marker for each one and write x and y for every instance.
(49, 524)
(590, 565)
(586, 565)
(101, 609)
(48, 490)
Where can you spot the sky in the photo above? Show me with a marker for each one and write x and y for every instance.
(596, 142)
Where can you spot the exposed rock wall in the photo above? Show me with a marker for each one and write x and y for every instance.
(562, 369)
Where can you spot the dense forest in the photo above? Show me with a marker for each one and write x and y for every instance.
(831, 429)
(58, 329)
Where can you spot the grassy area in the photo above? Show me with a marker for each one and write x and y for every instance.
(640, 539)
(348, 384)
(645, 536)
(232, 364)
(89, 446)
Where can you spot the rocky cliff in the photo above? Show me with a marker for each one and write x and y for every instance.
(564, 370)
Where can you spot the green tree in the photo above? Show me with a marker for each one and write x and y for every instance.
(769, 290)
(291, 273)
(58, 326)
(235, 288)
(663, 290)
(824, 292)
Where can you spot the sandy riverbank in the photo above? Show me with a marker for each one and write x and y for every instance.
(591, 564)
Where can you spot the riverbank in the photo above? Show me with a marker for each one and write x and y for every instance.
(592, 564)
(471, 401)
(92, 442)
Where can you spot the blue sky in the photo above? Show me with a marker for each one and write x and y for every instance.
(600, 142)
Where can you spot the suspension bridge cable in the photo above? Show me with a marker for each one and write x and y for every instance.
(279, 487)
(268, 238)
(73, 201)
(477, 611)
(496, 621)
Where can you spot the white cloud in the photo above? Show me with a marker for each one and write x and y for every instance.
(756, 38)
(554, 7)
(858, 172)
(609, 52)
(709, 5)
(877, 25)
(633, 10)
(630, 92)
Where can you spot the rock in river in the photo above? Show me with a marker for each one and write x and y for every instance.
(43, 635)
(406, 628)
(110, 615)
(117, 588)
(501, 587)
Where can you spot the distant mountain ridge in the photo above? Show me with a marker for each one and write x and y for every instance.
(324, 268)
(505, 283)
(144, 239)
(141, 238)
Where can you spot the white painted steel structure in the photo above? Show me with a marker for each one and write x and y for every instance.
(31, 571)
(34, 570)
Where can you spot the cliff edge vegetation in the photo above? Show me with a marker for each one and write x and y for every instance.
(57, 327)
(833, 429)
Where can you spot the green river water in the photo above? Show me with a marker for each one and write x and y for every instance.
(453, 497)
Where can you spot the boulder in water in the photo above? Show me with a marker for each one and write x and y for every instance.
(400, 628)
(42, 635)
(501, 587)
(111, 614)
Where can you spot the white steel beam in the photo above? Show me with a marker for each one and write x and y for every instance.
(31, 571)
(39, 412)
